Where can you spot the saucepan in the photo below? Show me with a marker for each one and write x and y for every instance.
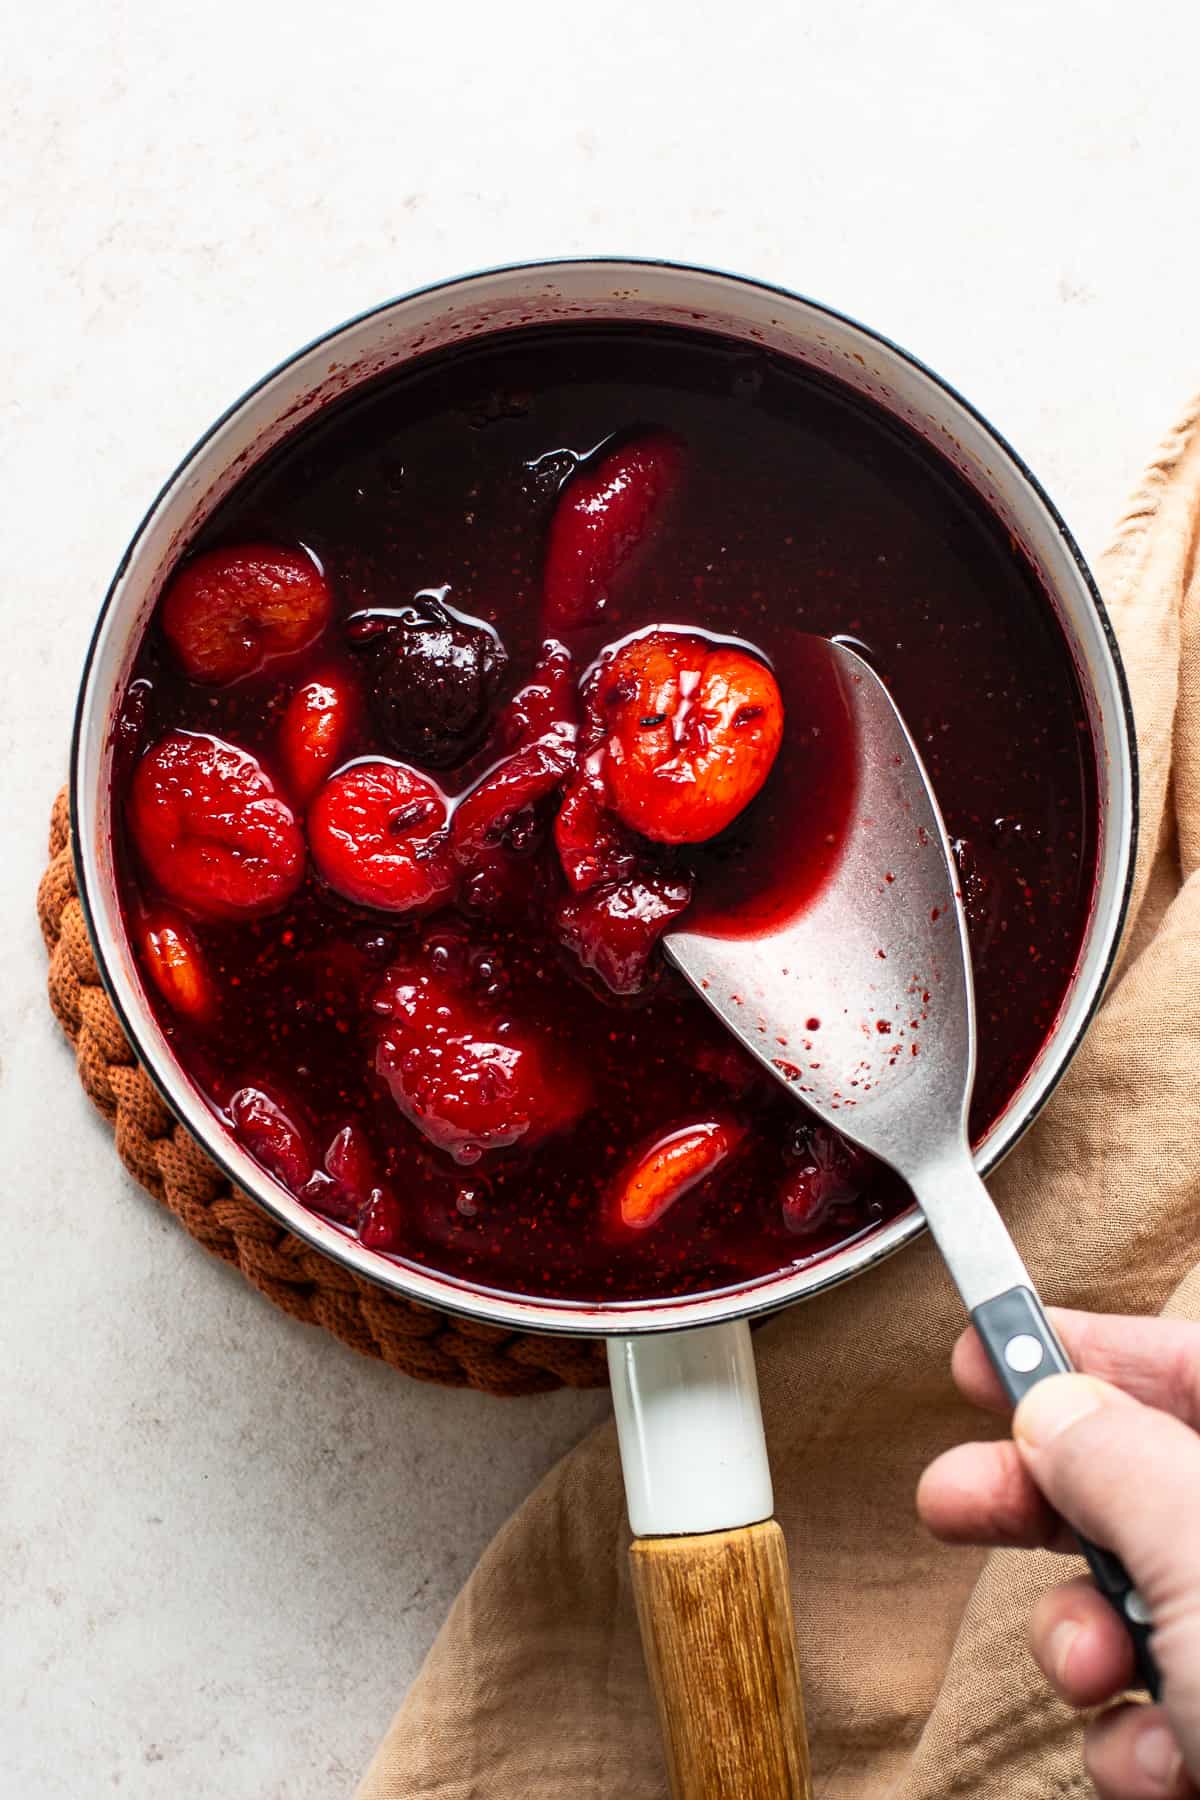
(710, 1570)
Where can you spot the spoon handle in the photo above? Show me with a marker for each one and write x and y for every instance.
(1023, 1349)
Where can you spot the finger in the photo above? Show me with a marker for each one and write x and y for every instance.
(1155, 1360)
(1131, 1754)
(1127, 1476)
(1080, 1645)
(984, 1494)
(1123, 1474)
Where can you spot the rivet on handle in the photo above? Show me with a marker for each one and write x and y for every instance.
(1023, 1353)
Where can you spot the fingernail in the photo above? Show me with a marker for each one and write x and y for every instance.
(1058, 1648)
(1054, 1405)
(1159, 1758)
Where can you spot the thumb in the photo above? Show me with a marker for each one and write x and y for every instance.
(1128, 1477)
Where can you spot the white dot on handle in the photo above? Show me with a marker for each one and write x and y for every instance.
(1136, 1608)
(1023, 1353)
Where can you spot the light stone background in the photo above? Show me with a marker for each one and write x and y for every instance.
(227, 1541)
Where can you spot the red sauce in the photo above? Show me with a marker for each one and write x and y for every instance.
(801, 509)
(776, 857)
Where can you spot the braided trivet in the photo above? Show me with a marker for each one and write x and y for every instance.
(169, 1164)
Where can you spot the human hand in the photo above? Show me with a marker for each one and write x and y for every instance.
(1116, 1452)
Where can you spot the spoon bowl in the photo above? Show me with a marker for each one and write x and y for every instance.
(862, 1005)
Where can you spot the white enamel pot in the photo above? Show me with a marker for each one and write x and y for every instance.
(709, 1570)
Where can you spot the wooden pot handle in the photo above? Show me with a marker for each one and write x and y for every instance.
(716, 1617)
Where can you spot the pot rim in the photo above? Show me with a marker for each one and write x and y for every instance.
(579, 1318)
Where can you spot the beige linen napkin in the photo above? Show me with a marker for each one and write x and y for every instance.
(917, 1680)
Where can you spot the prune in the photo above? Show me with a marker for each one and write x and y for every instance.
(432, 675)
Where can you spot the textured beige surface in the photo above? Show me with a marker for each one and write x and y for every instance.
(227, 1604)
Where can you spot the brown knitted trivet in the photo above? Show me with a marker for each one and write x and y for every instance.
(169, 1164)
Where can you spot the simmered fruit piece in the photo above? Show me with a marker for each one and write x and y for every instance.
(829, 1173)
(346, 1189)
(210, 828)
(433, 675)
(604, 513)
(467, 1074)
(508, 883)
(548, 705)
(133, 726)
(483, 817)
(613, 930)
(227, 611)
(274, 1136)
(314, 732)
(349, 1162)
(688, 729)
(376, 832)
(593, 846)
(670, 1166)
(539, 730)
(381, 1221)
(178, 967)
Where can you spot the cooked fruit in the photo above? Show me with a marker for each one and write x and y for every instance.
(465, 1072)
(314, 732)
(172, 954)
(273, 1135)
(344, 1183)
(604, 514)
(133, 726)
(381, 1221)
(433, 675)
(508, 883)
(593, 846)
(348, 1161)
(483, 817)
(539, 731)
(687, 731)
(670, 1166)
(212, 832)
(548, 705)
(228, 611)
(829, 1173)
(613, 930)
(376, 833)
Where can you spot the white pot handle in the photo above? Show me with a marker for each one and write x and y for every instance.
(691, 1431)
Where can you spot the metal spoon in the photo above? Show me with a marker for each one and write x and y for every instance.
(863, 1006)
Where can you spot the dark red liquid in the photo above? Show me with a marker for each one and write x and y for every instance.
(803, 510)
(774, 858)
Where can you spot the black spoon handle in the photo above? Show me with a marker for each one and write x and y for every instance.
(1023, 1350)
